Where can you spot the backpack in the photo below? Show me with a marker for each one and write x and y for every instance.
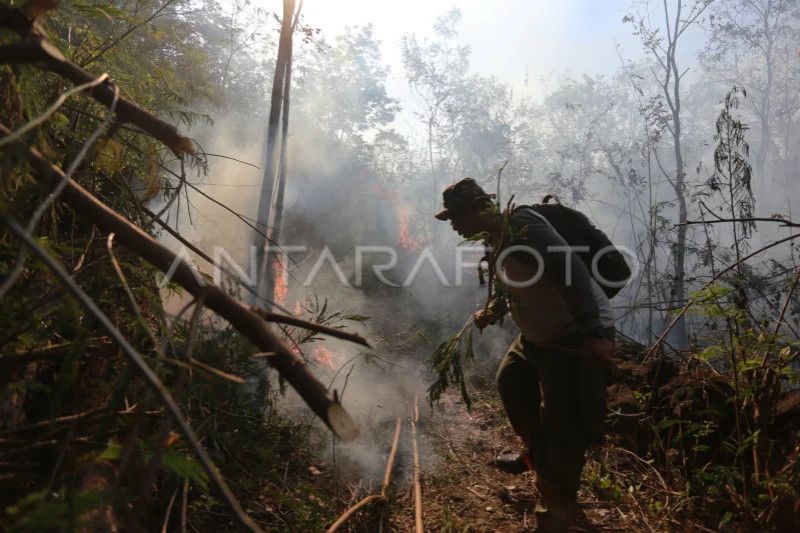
(578, 231)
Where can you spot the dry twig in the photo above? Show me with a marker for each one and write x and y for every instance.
(52, 352)
(417, 485)
(138, 362)
(387, 477)
(247, 322)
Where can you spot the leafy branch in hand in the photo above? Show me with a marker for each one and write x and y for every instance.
(448, 362)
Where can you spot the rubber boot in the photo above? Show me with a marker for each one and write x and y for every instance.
(517, 463)
(514, 463)
(554, 512)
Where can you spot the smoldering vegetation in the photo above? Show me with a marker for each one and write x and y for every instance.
(605, 144)
(692, 175)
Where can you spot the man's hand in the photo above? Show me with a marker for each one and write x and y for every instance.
(483, 318)
(600, 351)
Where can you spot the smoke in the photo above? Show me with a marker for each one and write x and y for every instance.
(336, 202)
(339, 196)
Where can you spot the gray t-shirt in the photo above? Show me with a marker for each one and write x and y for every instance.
(565, 299)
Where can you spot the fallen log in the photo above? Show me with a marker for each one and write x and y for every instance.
(247, 322)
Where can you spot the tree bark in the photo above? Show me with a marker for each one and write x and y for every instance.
(247, 322)
(265, 283)
(680, 334)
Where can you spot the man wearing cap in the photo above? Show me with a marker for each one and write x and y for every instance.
(552, 379)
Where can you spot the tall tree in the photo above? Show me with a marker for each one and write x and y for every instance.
(342, 90)
(436, 71)
(271, 184)
(755, 44)
(661, 44)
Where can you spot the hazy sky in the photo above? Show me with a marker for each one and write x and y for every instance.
(513, 40)
(507, 36)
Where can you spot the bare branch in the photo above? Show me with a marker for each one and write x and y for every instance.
(138, 362)
(782, 222)
(38, 50)
(60, 185)
(18, 133)
(241, 317)
(311, 326)
(721, 273)
(206, 154)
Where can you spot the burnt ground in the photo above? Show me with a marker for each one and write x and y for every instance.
(463, 492)
(633, 482)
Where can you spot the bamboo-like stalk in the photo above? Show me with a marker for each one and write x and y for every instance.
(352, 510)
(418, 528)
(387, 477)
(241, 317)
(48, 56)
(139, 364)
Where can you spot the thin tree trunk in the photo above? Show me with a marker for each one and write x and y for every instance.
(680, 334)
(276, 213)
(265, 284)
(766, 103)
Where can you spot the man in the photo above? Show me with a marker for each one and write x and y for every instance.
(552, 379)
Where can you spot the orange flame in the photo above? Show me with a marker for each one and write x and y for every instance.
(279, 283)
(323, 356)
(404, 239)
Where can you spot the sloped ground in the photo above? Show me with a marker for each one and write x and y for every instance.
(465, 493)
(639, 480)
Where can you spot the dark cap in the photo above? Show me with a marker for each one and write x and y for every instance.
(461, 197)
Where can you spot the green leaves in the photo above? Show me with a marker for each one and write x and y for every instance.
(176, 460)
(710, 353)
(448, 362)
(94, 10)
(43, 511)
(185, 466)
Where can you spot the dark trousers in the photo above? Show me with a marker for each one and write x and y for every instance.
(555, 400)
